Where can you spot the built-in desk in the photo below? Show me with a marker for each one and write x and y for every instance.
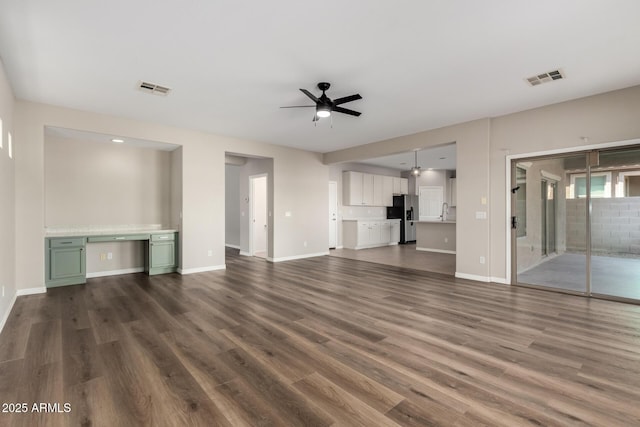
(66, 260)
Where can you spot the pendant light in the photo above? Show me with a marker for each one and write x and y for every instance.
(415, 171)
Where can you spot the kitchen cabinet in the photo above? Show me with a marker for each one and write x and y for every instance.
(65, 261)
(359, 234)
(161, 255)
(387, 190)
(378, 191)
(365, 189)
(453, 192)
(400, 185)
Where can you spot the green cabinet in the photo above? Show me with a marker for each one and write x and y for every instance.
(65, 261)
(161, 255)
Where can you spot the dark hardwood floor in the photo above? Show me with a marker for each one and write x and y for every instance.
(318, 342)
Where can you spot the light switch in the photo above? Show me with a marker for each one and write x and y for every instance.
(287, 213)
(481, 215)
(483, 200)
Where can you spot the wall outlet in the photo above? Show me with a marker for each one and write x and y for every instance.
(446, 240)
(209, 252)
(110, 255)
(305, 244)
(482, 260)
(2, 291)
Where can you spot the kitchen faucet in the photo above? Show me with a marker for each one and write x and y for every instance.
(445, 211)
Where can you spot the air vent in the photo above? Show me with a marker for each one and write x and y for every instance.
(545, 77)
(154, 88)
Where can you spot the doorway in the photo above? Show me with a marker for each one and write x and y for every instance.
(259, 218)
(579, 233)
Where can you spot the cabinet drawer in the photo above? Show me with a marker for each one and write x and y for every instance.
(94, 239)
(66, 242)
(163, 237)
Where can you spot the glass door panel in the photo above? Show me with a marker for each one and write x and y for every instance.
(551, 234)
(615, 224)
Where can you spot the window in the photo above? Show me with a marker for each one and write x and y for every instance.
(521, 201)
(9, 145)
(600, 185)
(628, 184)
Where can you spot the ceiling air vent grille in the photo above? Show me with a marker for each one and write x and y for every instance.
(154, 88)
(545, 77)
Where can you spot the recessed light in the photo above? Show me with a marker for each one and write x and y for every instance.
(117, 141)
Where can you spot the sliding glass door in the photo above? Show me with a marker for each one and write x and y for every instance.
(576, 222)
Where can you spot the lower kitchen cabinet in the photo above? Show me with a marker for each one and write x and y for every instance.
(161, 254)
(65, 261)
(358, 234)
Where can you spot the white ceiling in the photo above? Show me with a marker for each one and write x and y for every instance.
(231, 64)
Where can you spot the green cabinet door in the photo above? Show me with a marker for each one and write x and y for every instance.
(65, 262)
(161, 254)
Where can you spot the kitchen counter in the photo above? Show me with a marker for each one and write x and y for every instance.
(436, 236)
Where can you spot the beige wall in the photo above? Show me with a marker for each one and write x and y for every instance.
(232, 206)
(90, 183)
(603, 119)
(7, 218)
(472, 138)
(297, 176)
(482, 150)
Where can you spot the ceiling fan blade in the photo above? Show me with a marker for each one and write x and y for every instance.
(298, 106)
(347, 99)
(310, 95)
(346, 111)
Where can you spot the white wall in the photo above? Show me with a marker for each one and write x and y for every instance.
(90, 183)
(297, 176)
(232, 206)
(7, 203)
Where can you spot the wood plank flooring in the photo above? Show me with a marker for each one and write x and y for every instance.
(318, 342)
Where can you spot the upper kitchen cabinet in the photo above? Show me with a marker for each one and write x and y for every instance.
(364, 189)
(400, 185)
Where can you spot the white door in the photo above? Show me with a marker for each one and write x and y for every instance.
(259, 216)
(431, 199)
(333, 214)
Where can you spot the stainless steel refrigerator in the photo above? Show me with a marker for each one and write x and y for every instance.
(405, 208)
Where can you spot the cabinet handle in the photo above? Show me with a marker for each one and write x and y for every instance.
(81, 249)
(119, 238)
(66, 243)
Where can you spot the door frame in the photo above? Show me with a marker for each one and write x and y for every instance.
(333, 186)
(252, 179)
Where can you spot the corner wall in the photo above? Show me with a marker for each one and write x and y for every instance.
(297, 176)
(7, 203)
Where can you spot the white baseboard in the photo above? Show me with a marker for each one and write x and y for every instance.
(473, 277)
(229, 245)
(6, 315)
(294, 257)
(31, 291)
(244, 253)
(440, 251)
(115, 272)
(185, 271)
(501, 280)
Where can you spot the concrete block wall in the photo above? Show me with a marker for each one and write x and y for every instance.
(615, 226)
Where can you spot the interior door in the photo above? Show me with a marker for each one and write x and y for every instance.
(333, 214)
(259, 216)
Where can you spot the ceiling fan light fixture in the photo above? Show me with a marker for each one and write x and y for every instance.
(415, 171)
(323, 111)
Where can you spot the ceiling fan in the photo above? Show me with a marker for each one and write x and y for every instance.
(325, 105)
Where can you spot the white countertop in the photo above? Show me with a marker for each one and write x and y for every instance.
(372, 219)
(88, 232)
(437, 222)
